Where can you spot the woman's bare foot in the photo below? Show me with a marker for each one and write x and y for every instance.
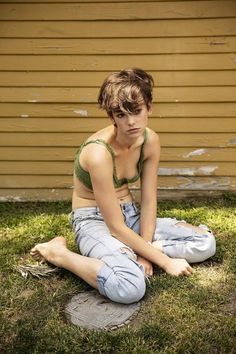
(50, 251)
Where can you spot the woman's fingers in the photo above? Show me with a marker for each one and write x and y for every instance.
(190, 269)
(187, 271)
(177, 266)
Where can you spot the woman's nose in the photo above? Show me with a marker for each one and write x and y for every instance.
(131, 120)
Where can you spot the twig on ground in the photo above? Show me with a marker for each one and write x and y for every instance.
(38, 270)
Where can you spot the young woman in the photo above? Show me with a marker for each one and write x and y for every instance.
(118, 241)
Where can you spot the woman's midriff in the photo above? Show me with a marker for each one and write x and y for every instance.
(86, 199)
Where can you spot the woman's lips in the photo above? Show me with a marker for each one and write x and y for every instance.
(133, 130)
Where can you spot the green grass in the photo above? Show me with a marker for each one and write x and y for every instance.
(178, 315)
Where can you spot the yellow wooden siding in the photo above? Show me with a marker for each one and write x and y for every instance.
(93, 79)
(55, 54)
(119, 29)
(202, 124)
(117, 10)
(173, 109)
(118, 46)
(216, 61)
(89, 95)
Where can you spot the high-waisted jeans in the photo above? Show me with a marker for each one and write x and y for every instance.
(122, 278)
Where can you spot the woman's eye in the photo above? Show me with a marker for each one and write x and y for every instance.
(120, 115)
(137, 111)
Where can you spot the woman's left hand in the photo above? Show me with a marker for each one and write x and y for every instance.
(147, 266)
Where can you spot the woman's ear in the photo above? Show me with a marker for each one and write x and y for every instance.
(149, 108)
(113, 121)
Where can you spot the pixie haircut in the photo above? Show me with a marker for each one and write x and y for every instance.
(125, 91)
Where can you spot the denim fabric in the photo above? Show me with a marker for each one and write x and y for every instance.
(122, 278)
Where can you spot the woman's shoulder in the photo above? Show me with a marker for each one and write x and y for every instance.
(152, 137)
(152, 144)
(96, 150)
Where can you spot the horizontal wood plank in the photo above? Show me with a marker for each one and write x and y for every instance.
(221, 124)
(193, 154)
(200, 183)
(165, 182)
(34, 194)
(34, 181)
(68, 154)
(166, 168)
(81, 1)
(190, 168)
(118, 29)
(195, 140)
(41, 194)
(57, 110)
(115, 62)
(194, 168)
(117, 10)
(118, 45)
(95, 79)
(89, 95)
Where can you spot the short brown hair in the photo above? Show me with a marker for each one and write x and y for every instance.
(125, 90)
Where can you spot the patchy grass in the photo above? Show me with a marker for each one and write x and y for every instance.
(178, 315)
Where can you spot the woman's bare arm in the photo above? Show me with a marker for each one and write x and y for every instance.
(149, 187)
(149, 194)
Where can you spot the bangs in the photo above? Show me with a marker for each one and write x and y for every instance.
(127, 100)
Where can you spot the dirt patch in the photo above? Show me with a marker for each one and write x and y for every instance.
(25, 294)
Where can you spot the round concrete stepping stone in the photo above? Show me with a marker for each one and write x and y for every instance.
(94, 311)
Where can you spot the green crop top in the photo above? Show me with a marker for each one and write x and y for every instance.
(84, 176)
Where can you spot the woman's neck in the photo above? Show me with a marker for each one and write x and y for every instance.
(123, 142)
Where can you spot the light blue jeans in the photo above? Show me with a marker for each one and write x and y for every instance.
(122, 278)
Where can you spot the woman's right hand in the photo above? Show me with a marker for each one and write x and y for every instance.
(177, 266)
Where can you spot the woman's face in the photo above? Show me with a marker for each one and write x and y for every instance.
(133, 124)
